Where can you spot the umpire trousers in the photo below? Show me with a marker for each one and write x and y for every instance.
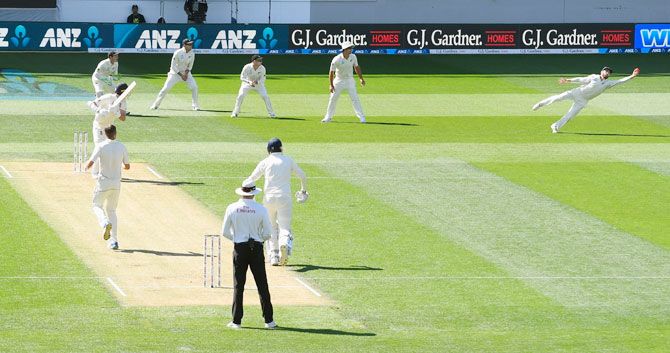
(250, 255)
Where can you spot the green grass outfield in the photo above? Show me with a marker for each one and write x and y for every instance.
(453, 221)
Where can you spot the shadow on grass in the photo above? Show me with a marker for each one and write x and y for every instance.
(159, 253)
(268, 118)
(157, 182)
(373, 123)
(318, 331)
(307, 268)
(611, 134)
(133, 115)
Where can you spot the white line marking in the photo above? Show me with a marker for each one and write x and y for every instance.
(118, 289)
(49, 277)
(494, 278)
(9, 175)
(308, 287)
(154, 173)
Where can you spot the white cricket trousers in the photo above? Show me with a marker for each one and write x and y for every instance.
(578, 103)
(349, 85)
(101, 87)
(98, 137)
(280, 209)
(172, 80)
(104, 207)
(244, 90)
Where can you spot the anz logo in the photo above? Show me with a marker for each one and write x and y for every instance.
(192, 34)
(19, 39)
(268, 41)
(655, 38)
(235, 39)
(159, 39)
(93, 40)
(61, 38)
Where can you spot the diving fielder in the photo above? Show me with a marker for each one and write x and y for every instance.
(253, 78)
(277, 169)
(105, 113)
(341, 78)
(180, 70)
(103, 76)
(592, 86)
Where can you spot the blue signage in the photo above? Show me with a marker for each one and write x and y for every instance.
(652, 38)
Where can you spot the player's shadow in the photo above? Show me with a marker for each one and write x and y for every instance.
(159, 253)
(307, 268)
(158, 182)
(268, 118)
(613, 134)
(318, 331)
(133, 115)
(373, 123)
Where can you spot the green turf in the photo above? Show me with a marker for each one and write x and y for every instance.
(453, 221)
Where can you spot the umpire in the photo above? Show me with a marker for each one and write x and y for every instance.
(247, 224)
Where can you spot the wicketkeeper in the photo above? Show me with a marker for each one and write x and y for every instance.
(103, 76)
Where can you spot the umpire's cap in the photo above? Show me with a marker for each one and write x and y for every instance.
(274, 145)
(121, 88)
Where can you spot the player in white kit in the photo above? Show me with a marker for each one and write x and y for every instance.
(180, 70)
(104, 74)
(112, 156)
(277, 169)
(253, 78)
(591, 87)
(341, 78)
(105, 113)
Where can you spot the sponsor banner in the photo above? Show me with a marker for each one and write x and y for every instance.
(54, 36)
(451, 36)
(652, 38)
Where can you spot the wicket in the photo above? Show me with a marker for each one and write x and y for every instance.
(80, 150)
(209, 247)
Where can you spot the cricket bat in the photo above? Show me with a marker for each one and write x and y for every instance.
(125, 94)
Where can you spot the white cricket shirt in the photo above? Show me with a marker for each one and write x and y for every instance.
(593, 85)
(182, 61)
(104, 114)
(112, 155)
(344, 68)
(277, 169)
(105, 69)
(246, 219)
(250, 75)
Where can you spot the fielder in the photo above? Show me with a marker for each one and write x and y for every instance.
(103, 76)
(112, 155)
(341, 78)
(180, 70)
(277, 169)
(592, 86)
(253, 78)
(105, 113)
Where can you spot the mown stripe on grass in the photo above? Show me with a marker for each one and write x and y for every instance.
(523, 232)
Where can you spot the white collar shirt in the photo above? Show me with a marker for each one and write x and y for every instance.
(277, 169)
(105, 69)
(343, 68)
(111, 155)
(249, 75)
(104, 112)
(593, 85)
(246, 219)
(182, 61)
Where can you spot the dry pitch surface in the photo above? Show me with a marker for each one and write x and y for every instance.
(161, 228)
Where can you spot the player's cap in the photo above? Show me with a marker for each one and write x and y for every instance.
(187, 41)
(347, 45)
(121, 88)
(111, 53)
(248, 189)
(274, 145)
(256, 57)
(607, 68)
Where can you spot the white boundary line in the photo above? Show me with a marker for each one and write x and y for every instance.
(118, 289)
(9, 175)
(154, 172)
(308, 287)
(49, 277)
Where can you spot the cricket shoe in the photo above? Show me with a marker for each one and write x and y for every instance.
(272, 116)
(283, 257)
(153, 107)
(196, 108)
(233, 115)
(363, 120)
(108, 231)
(537, 106)
(234, 326)
(326, 120)
(114, 245)
(274, 260)
(554, 128)
(270, 325)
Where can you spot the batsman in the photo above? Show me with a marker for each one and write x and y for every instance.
(277, 199)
